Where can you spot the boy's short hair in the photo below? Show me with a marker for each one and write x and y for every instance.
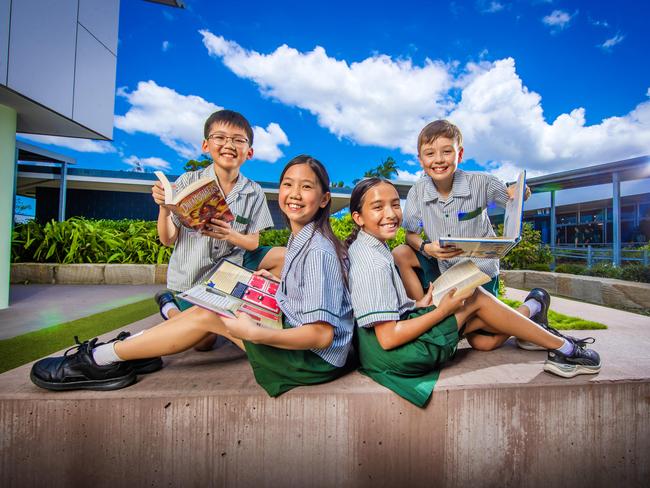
(229, 117)
(439, 128)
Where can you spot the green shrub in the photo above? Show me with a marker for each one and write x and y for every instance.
(603, 270)
(636, 272)
(570, 268)
(274, 237)
(530, 251)
(539, 267)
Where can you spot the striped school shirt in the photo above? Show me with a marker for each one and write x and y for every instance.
(195, 255)
(463, 214)
(312, 290)
(378, 294)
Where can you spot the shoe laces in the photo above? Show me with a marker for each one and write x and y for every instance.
(582, 343)
(78, 345)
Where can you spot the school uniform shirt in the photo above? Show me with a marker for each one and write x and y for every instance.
(463, 214)
(378, 294)
(195, 255)
(313, 289)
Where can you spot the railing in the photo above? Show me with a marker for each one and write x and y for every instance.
(595, 254)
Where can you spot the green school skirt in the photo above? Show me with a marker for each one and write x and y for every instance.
(279, 370)
(252, 260)
(410, 370)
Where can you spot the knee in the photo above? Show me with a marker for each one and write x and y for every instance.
(483, 343)
(403, 254)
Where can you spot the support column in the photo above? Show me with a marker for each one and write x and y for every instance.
(616, 219)
(7, 189)
(553, 229)
(63, 189)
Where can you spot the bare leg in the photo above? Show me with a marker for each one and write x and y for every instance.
(489, 343)
(406, 261)
(274, 260)
(502, 319)
(174, 335)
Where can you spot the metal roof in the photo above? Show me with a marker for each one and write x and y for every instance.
(29, 152)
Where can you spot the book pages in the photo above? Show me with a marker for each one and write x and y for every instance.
(464, 276)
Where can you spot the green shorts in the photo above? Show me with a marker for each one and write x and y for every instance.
(279, 370)
(410, 370)
(252, 260)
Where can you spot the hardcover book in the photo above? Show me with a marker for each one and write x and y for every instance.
(197, 203)
(499, 246)
(232, 288)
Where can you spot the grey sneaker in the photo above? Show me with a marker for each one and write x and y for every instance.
(581, 361)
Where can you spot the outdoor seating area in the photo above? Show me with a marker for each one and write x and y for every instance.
(498, 408)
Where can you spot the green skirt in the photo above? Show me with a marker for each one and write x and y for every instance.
(279, 370)
(412, 369)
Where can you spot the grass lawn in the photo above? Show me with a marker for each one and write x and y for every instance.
(33, 345)
(561, 321)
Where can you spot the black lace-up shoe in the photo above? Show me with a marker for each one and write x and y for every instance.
(540, 318)
(581, 361)
(141, 366)
(79, 371)
(164, 297)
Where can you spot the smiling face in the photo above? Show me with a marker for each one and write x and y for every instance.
(381, 214)
(229, 155)
(439, 159)
(301, 196)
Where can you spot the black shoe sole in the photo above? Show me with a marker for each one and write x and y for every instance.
(102, 385)
(146, 366)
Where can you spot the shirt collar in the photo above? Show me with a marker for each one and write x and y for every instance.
(459, 187)
(373, 242)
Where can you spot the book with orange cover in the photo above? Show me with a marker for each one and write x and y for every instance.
(197, 203)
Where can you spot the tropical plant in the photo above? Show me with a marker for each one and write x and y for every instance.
(530, 251)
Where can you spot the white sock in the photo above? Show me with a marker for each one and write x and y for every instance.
(566, 348)
(133, 336)
(166, 308)
(105, 354)
(534, 306)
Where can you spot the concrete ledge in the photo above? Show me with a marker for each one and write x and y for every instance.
(495, 419)
(89, 274)
(601, 291)
(42, 274)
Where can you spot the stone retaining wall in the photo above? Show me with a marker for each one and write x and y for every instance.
(89, 274)
(592, 289)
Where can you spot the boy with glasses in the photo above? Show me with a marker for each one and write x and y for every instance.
(228, 138)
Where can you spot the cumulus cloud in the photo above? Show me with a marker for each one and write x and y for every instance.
(611, 42)
(178, 121)
(558, 19)
(81, 145)
(165, 46)
(360, 101)
(403, 175)
(384, 102)
(490, 7)
(143, 163)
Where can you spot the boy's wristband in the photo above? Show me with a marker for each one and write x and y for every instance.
(424, 243)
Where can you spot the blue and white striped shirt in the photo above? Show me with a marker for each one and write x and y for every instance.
(378, 294)
(463, 214)
(312, 290)
(194, 254)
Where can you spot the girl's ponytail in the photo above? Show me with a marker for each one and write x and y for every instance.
(353, 236)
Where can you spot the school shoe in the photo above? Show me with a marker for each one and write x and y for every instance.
(540, 318)
(79, 371)
(581, 361)
(140, 366)
(162, 298)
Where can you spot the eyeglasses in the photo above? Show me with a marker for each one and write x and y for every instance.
(220, 140)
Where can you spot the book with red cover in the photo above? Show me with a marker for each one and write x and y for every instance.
(197, 203)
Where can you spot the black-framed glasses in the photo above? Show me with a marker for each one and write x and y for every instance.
(220, 140)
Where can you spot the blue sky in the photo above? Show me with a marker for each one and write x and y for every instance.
(541, 85)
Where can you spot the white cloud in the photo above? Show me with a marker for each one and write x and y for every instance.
(599, 23)
(153, 163)
(81, 145)
(611, 42)
(165, 46)
(384, 102)
(558, 19)
(360, 101)
(407, 176)
(178, 121)
(490, 7)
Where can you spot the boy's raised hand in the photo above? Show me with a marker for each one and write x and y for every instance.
(158, 193)
(511, 192)
(435, 250)
(217, 229)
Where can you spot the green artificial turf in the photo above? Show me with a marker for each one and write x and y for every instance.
(561, 321)
(22, 349)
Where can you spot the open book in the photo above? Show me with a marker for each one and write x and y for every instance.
(464, 276)
(233, 288)
(197, 203)
(495, 247)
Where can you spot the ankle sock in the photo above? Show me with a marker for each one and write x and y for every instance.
(105, 354)
(566, 348)
(166, 308)
(534, 306)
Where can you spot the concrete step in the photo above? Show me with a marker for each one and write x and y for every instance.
(495, 419)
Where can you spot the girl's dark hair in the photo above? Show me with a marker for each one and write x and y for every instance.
(356, 201)
(322, 217)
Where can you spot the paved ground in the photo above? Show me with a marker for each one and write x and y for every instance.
(34, 307)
